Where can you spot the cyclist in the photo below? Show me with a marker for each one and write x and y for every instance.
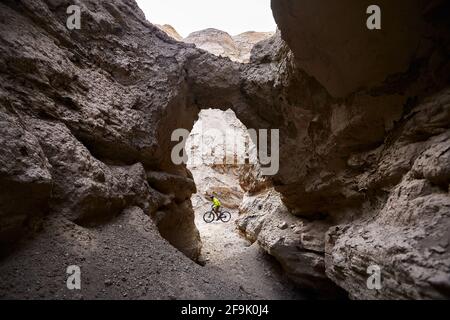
(216, 206)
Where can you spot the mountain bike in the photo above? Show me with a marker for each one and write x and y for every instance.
(211, 216)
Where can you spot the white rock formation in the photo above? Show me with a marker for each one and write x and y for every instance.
(238, 48)
(218, 146)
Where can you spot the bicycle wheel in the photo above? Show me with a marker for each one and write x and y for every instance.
(208, 217)
(226, 216)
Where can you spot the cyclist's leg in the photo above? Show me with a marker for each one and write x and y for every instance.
(219, 213)
(216, 211)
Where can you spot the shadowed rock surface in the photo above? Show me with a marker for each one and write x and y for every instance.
(216, 150)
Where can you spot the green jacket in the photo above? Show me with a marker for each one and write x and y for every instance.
(216, 202)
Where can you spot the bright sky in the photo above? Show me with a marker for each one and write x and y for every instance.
(232, 16)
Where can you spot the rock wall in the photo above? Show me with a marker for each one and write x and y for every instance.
(297, 244)
(167, 28)
(86, 114)
(352, 163)
(222, 44)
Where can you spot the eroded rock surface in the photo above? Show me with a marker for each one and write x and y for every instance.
(217, 148)
(327, 53)
(90, 112)
(298, 244)
(222, 44)
(123, 259)
(357, 162)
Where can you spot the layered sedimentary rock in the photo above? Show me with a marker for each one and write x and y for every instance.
(25, 178)
(405, 230)
(297, 244)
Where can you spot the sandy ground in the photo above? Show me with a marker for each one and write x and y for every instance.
(127, 259)
(123, 259)
(230, 254)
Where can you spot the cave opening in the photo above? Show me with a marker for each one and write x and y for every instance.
(218, 148)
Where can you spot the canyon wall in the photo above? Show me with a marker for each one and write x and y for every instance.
(87, 117)
(364, 156)
(238, 48)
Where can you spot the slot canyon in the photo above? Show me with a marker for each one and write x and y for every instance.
(87, 178)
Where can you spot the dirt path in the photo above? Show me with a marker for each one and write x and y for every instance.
(123, 259)
(236, 258)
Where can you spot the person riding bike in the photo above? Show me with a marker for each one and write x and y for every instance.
(216, 206)
(216, 213)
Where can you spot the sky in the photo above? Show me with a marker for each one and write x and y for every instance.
(232, 16)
